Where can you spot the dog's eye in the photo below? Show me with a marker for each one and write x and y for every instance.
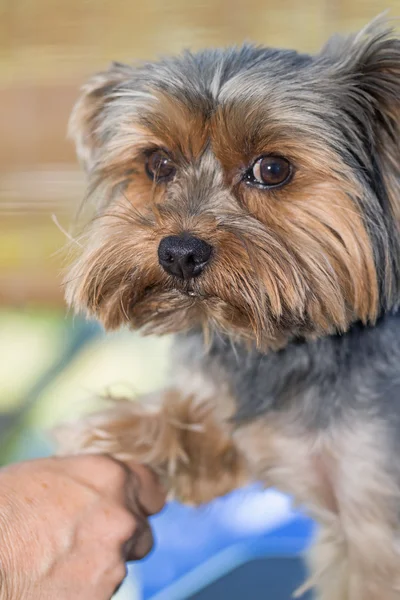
(159, 166)
(270, 171)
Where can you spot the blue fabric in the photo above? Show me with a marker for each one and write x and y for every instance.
(261, 523)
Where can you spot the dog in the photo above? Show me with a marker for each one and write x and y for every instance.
(248, 201)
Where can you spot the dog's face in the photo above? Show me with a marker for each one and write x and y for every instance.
(250, 190)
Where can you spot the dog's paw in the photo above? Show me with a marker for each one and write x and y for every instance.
(178, 438)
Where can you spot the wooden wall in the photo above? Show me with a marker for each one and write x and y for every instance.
(48, 48)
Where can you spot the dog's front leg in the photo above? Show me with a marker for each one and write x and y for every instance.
(177, 435)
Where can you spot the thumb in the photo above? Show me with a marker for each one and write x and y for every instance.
(143, 487)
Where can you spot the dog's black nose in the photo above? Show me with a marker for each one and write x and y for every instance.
(184, 256)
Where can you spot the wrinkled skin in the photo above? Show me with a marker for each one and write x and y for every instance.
(69, 524)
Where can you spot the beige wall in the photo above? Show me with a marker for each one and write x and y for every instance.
(48, 47)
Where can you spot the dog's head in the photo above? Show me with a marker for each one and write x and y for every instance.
(251, 190)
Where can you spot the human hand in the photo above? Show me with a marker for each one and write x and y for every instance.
(69, 524)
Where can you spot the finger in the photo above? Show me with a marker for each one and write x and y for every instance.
(101, 472)
(140, 544)
(144, 488)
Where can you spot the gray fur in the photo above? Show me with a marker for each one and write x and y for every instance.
(343, 97)
(317, 407)
(319, 382)
(347, 98)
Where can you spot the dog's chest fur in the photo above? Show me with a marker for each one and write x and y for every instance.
(315, 419)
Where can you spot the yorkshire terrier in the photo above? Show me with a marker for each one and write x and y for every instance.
(248, 200)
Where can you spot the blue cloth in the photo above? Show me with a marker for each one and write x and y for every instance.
(261, 521)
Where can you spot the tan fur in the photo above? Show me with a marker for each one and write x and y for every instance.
(295, 261)
(184, 131)
(303, 257)
(339, 476)
(177, 435)
(315, 214)
(84, 118)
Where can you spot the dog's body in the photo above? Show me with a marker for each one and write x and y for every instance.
(250, 202)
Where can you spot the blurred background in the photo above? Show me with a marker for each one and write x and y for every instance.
(53, 367)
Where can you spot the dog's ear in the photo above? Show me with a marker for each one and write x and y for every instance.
(87, 115)
(364, 78)
(366, 67)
